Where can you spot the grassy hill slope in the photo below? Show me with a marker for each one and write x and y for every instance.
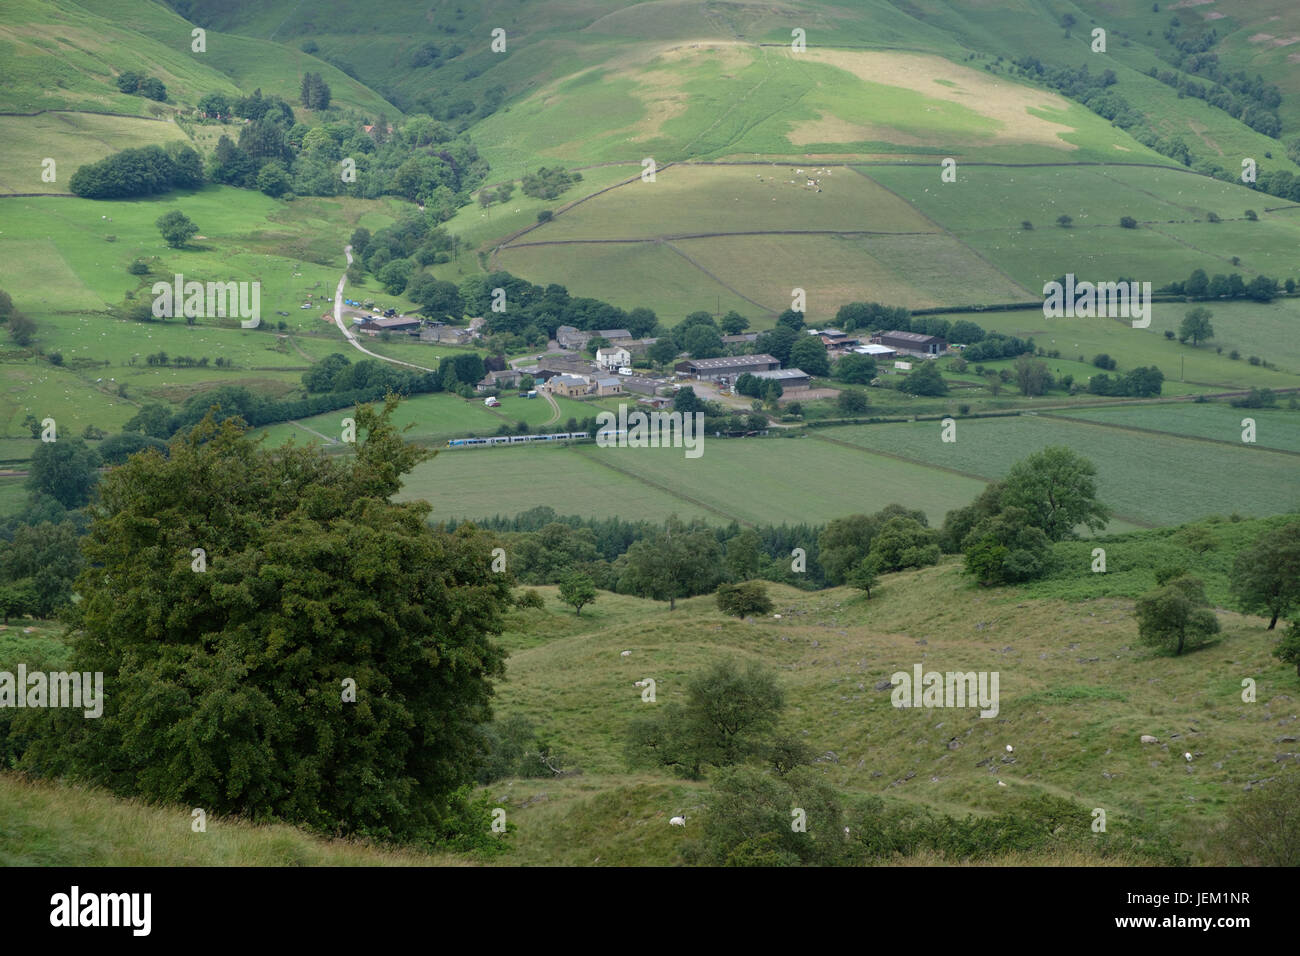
(1076, 692)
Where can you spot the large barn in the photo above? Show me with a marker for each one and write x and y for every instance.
(729, 367)
(913, 343)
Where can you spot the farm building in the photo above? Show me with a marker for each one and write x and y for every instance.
(836, 341)
(642, 385)
(397, 323)
(790, 379)
(638, 346)
(506, 378)
(912, 343)
(570, 386)
(567, 337)
(613, 357)
(609, 385)
(656, 402)
(562, 365)
(729, 367)
(876, 351)
(445, 334)
(744, 338)
(614, 336)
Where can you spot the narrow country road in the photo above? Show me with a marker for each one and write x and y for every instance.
(347, 333)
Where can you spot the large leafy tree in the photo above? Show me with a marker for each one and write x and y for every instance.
(1005, 548)
(65, 470)
(437, 298)
(43, 560)
(227, 688)
(845, 542)
(1196, 325)
(727, 711)
(1056, 487)
(176, 228)
(809, 354)
(924, 380)
(678, 562)
(577, 591)
(1176, 616)
(1266, 576)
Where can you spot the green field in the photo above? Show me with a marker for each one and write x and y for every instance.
(794, 481)
(482, 482)
(71, 140)
(986, 205)
(1278, 429)
(434, 418)
(1248, 327)
(1143, 478)
(629, 275)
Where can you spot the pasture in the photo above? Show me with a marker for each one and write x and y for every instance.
(1275, 428)
(1145, 479)
(790, 481)
(71, 140)
(987, 204)
(1248, 327)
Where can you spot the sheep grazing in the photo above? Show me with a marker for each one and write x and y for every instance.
(626, 654)
(1009, 748)
(677, 822)
(1001, 784)
(1187, 757)
(641, 683)
(1148, 739)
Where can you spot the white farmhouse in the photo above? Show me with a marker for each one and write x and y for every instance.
(614, 356)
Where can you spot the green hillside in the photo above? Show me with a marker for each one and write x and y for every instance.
(1076, 688)
(925, 162)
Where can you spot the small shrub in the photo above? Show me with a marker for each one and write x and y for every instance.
(744, 599)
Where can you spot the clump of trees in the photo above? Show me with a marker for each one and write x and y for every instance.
(549, 182)
(892, 539)
(1139, 382)
(146, 171)
(1198, 285)
(1007, 532)
(314, 92)
(147, 86)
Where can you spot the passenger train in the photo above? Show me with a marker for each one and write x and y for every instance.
(516, 439)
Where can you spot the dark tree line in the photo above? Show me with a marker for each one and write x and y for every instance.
(139, 172)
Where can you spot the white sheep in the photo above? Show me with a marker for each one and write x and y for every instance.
(677, 822)
(626, 654)
(1009, 748)
(640, 683)
(1187, 757)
